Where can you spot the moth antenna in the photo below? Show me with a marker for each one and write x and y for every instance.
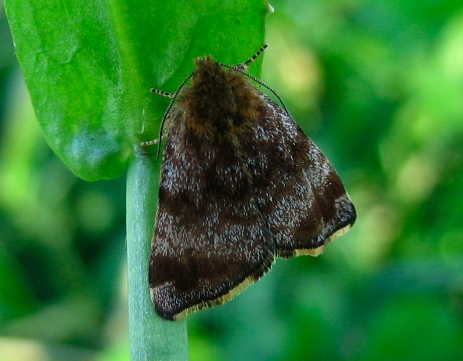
(258, 81)
(244, 65)
(173, 96)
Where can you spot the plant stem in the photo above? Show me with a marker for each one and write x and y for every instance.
(151, 337)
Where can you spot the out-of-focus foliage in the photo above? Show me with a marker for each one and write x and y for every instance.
(378, 85)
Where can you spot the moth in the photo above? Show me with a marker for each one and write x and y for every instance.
(241, 185)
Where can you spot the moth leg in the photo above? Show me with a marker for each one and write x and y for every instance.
(163, 93)
(154, 141)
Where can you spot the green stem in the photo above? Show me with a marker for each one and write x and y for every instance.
(151, 337)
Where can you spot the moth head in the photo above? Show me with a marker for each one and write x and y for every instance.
(218, 101)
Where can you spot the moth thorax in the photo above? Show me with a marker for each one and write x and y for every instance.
(219, 100)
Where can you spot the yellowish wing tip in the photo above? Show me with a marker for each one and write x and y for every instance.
(251, 279)
(222, 299)
(314, 252)
(216, 301)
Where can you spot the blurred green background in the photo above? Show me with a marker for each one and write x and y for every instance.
(378, 85)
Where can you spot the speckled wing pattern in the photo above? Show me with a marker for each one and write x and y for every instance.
(226, 211)
(298, 191)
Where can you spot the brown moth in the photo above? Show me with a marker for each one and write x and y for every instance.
(241, 184)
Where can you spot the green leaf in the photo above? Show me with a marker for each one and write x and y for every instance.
(89, 67)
